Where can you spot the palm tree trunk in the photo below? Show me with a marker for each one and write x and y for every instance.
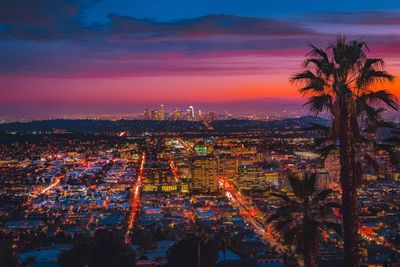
(311, 243)
(349, 177)
(350, 226)
(310, 259)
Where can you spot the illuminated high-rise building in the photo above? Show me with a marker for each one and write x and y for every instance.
(177, 114)
(250, 177)
(191, 112)
(228, 167)
(188, 114)
(155, 115)
(204, 173)
(157, 177)
(162, 113)
(147, 114)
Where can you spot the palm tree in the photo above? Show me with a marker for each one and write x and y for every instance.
(193, 251)
(305, 217)
(339, 80)
(8, 257)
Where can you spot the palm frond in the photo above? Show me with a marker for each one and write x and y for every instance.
(323, 195)
(284, 212)
(317, 104)
(280, 195)
(301, 223)
(326, 150)
(379, 97)
(304, 76)
(315, 51)
(295, 184)
(370, 76)
(334, 227)
(309, 184)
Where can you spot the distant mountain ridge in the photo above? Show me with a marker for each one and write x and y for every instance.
(91, 126)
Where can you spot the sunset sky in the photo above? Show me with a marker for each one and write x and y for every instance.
(77, 56)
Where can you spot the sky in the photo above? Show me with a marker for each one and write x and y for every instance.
(62, 57)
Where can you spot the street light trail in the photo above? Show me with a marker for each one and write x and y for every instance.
(185, 145)
(135, 191)
(371, 236)
(54, 184)
(252, 215)
(36, 193)
(174, 170)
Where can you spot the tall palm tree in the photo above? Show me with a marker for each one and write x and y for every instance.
(340, 80)
(305, 217)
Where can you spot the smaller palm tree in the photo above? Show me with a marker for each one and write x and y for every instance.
(305, 217)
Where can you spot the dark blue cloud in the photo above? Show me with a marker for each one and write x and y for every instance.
(362, 18)
(180, 9)
(63, 21)
(42, 19)
(209, 25)
(52, 20)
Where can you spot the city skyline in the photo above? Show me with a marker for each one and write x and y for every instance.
(87, 57)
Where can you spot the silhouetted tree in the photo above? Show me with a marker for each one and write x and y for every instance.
(74, 257)
(193, 251)
(28, 262)
(8, 258)
(106, 246)
(126, 259)
(339, 80)
(303, 219)
(146, 240)
(103, 250)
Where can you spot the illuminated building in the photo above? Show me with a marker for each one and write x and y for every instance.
(184, 170)
(323, 180)
(158, 178)
(202, 149)
(252, 176)
(272, 178)
(228, 167)
(157, 172)
(162, 113)
(177, 114)
(396, 174)
(191, 112)
(199, 115)
(147, 114)
(369, 177)
(204, 173)
(154, 115)
(182, 187)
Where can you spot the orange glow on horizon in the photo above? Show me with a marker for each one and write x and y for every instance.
(207, 89)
